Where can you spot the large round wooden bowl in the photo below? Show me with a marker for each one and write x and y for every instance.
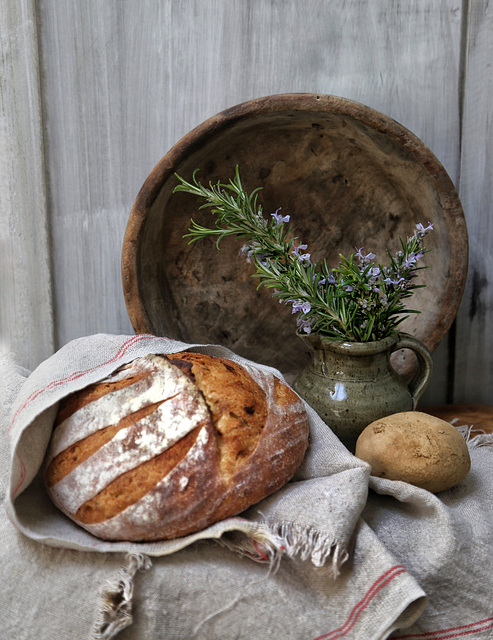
(348, 176)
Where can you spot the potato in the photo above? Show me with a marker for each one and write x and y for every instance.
(416, 448)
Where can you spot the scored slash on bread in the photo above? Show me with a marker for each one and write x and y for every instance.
(168, 445)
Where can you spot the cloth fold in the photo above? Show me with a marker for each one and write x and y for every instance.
(320, 558)
(334, 484)
(446, 541)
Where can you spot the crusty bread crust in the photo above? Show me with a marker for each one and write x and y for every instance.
(168, 445)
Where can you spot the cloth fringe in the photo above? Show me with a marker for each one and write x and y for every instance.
(115, 610)
(263, 546)
(480, 440)
(475, 440)
(271, 541)
(311, 544)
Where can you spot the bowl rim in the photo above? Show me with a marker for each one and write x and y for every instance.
(316, 102)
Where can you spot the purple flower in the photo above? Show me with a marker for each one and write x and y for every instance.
(305, 257)
(395, 283)
(347, 287)
(329, 279)
(279, 218)
(365, 259)
(373, 273)
(247, 251)
(303, 307)
(422, 231)
(300, 247)
(304, 325)
(411, 260)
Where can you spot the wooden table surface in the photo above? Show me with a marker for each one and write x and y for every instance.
(477, 416)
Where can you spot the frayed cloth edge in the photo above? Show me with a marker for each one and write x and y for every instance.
(262, 546)
(480, 440)
(272, 541)
(115, 608)
(475, 440)
(311, 544)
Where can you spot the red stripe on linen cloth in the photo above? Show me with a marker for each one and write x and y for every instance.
(376, 587)
(453, 632)
(78, 374)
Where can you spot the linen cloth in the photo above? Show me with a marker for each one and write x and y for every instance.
(321, 570)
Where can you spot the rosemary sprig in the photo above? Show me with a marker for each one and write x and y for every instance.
(357, 300)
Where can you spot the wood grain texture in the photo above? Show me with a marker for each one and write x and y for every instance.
(473, 363)
(347, 175)
(122, 81)
(26, 319)
(477, 416)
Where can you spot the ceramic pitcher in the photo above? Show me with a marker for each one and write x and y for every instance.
(351, 384)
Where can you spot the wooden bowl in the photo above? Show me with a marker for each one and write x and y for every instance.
(349, 177)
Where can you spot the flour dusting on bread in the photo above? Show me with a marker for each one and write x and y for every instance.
(168, 445)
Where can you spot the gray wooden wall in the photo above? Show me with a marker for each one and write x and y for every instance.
(94, 92)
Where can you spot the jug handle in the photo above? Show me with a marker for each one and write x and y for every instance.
(422, 378)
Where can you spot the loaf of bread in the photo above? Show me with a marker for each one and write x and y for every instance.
(168, 445)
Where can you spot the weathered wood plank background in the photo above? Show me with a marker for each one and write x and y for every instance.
(93, 93)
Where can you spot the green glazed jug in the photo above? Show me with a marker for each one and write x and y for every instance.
(351, 384)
